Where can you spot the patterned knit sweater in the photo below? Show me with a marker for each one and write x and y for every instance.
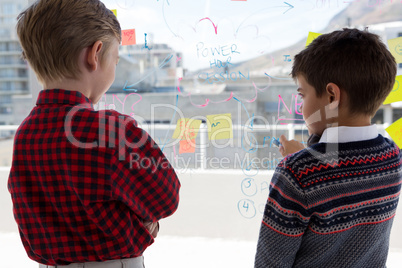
(332, 205)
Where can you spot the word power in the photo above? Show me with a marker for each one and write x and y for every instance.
(223, 51)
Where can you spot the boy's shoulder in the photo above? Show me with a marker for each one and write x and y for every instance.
(102, 126)
(107, 117)
(325, 151)
(321, 158)
(113, 114)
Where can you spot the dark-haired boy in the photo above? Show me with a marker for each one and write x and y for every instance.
(332, 204)
(88, 187)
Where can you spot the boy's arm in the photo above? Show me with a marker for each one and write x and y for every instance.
(285, 219)
(143, 178)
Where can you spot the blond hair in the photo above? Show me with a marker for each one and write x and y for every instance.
(53, 33)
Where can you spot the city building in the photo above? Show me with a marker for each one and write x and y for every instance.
(14, 74)
(147, 67)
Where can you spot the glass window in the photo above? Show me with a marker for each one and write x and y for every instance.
(7, 73)
(6, 110)
(5, 99)
(22, 73)
(14, 46)
(4, 32)
(7, 86)
(3, 46)
(9, 8)
(9, 20)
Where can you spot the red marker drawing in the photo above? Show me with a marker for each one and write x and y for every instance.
(213, 24)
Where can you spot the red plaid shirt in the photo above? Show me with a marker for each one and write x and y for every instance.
(83, 182)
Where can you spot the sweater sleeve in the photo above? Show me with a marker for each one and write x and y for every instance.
(285, 219)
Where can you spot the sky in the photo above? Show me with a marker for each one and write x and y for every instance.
(237, 29)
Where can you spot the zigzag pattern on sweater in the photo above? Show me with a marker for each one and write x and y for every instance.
(334, 219)
(286, 224)
(334, 157)
(301, 173)
(311, 155)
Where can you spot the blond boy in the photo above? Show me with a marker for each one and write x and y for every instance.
(88, 187)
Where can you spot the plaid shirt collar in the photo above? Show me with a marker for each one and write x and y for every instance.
(61, 96)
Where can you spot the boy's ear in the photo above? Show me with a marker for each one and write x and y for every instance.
(93, 56)
(334, 95)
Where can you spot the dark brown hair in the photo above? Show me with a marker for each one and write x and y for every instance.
(53, 33)
(357, 61)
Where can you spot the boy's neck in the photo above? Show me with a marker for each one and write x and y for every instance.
(352, 121)
(71, 85)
